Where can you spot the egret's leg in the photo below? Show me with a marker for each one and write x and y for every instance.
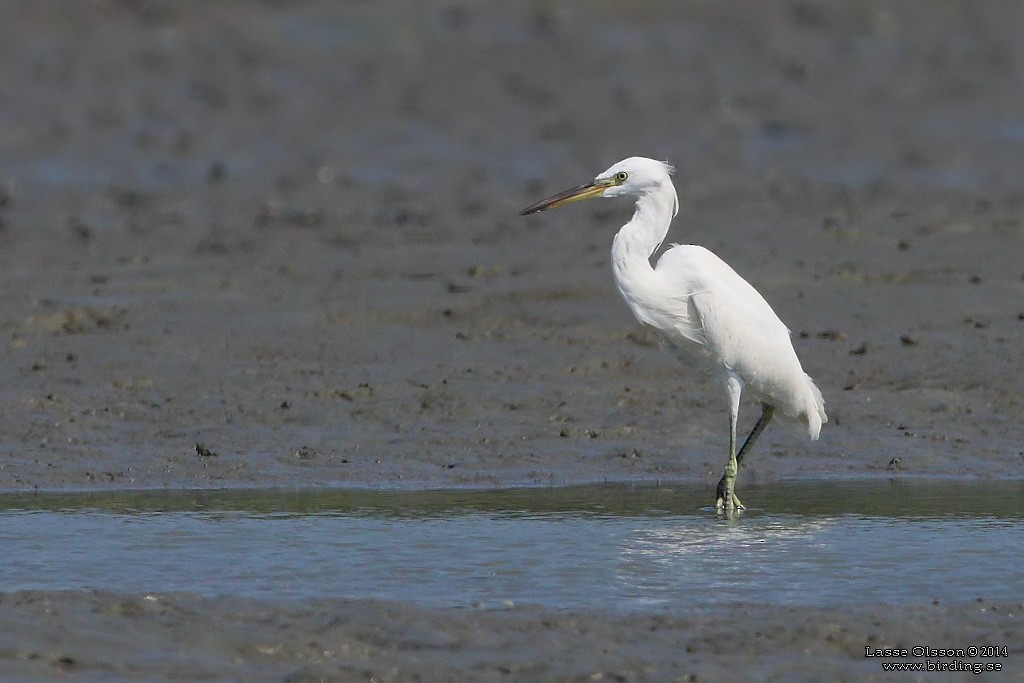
(767, 411)
(725, 499)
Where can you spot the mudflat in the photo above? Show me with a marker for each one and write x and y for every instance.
(277, 244)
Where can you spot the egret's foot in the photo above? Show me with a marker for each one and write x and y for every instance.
(725, 496)
(721, 495)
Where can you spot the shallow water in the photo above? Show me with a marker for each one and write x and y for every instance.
(618, 547)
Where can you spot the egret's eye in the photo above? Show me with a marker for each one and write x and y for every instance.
(621, 176)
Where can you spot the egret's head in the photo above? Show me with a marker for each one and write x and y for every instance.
(632, 177)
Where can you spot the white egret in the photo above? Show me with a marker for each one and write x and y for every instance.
(715, 319)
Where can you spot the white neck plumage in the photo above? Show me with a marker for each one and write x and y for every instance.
(638, 239)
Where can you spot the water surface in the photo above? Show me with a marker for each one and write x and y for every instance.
(619, 547)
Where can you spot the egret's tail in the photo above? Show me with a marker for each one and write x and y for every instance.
(815, 410)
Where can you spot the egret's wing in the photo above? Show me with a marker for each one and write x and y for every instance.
(741, 331)
(718, 309)
(686, 320)
(738, 329)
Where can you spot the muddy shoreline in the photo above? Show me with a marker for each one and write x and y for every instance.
(231, 638)
(320, 275)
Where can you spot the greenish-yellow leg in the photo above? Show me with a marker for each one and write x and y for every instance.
(727, 484)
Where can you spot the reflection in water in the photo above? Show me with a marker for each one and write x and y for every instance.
(627, 548)
(724, 562)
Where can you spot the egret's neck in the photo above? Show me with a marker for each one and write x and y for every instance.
(638, 239)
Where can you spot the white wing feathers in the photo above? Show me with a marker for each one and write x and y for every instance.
(728, 319)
